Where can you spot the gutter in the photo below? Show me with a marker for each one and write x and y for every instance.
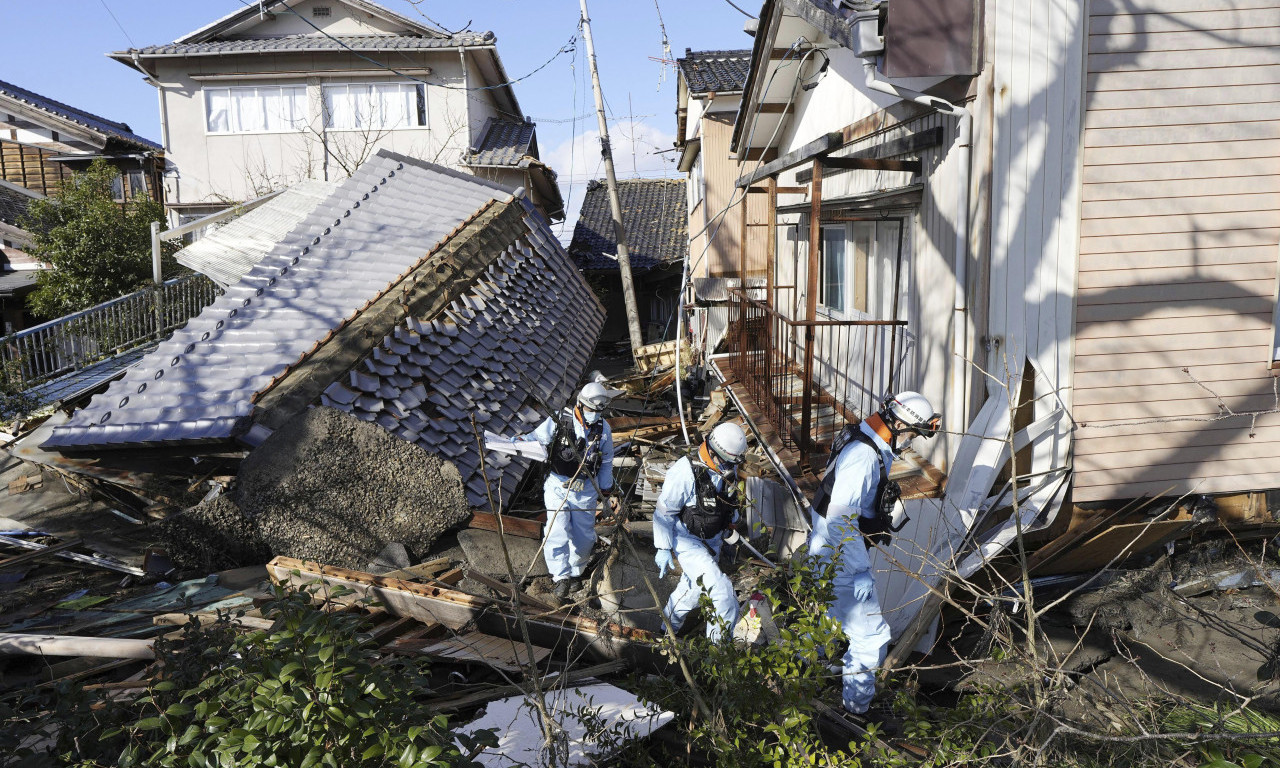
(957, 407)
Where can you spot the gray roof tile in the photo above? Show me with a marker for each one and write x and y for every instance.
(655, 214)
(718, 71)
(304, 43)
(505, 143)
(110, 128)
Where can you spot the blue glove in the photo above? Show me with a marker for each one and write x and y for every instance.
(863, 586)
(663, 559)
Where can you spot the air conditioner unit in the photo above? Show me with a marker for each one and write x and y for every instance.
(867, 40)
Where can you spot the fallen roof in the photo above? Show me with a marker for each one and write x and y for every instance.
(231, 250)
(715, 71)
(505, 143)
(416, 297)
(101, 125)
(654, 214)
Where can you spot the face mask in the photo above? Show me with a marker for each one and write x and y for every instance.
(590, 417)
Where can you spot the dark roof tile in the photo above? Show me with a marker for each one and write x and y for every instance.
(102, 125)
(718, 71)
(656, 218)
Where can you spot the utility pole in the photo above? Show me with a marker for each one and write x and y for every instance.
(611, 181)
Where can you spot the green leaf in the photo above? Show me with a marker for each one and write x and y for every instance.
(178, 710)
(147, 724)
(325, 653)
(374, 751)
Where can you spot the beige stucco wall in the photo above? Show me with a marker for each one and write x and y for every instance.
(210, 168)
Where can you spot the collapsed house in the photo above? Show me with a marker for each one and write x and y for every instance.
(415, 297)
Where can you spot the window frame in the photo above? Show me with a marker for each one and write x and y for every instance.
(305, 120)
(824, 256)
(422, 104)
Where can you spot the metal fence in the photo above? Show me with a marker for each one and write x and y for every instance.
(810, 378)
(65, 345)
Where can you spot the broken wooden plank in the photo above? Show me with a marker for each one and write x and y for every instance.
(508, 590)
(92, 671)
(1118, 543)
(240, 622)
(454, 609)
(502, 653)
(511, 526)
(24, 484)
(560, 681)
(39, 554)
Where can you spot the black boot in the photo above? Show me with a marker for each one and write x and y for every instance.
(563, 588)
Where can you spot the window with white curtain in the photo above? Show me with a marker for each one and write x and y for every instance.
(374, 106)
(256, 109)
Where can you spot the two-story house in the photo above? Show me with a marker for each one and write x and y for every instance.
(286, 90)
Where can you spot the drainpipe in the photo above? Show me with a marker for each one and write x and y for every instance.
(964, 140)
(150, 79)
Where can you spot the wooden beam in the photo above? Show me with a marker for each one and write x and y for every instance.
(511, 526)
(872, 164)
(913, 144)
(791, 191)
(507, 590)
(760, 154)
(819, 146)
(454, 609)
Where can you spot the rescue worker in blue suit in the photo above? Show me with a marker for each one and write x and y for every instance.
(580, 458)
(855, 500)
(698, 505)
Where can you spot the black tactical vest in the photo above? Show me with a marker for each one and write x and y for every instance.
(711, 511)
(877, 529)
(568, 451)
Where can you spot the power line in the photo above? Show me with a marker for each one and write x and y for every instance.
(118, 24)
(739, 10)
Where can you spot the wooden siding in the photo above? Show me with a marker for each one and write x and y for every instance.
(29, 166)
(721, 171)
(1180, 223)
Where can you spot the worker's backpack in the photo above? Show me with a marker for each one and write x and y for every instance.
(568, 452)
(711, 511)
(879, 528)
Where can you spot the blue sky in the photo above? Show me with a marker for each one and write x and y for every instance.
(57, 49)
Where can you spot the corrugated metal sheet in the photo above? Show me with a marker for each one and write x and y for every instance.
(721, 171)
(1179, 234)
(228, 252)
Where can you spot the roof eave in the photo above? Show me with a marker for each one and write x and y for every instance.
(237, 17)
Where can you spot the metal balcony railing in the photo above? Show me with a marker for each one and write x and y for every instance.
(59, 347)
(810, 378)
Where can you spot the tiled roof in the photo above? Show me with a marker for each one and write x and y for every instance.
(304, 43)
(16, 283)
(110, 128)
(719, 71)
(231, 250)
(504, 142)
(14, 201)
(509, 317)
(655, 216)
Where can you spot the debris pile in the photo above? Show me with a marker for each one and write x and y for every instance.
(326, 487)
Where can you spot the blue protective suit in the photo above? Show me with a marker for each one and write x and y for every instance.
(836, 538)
(570, 530)
(698, 557)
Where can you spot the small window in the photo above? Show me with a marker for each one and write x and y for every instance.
(117, 187)
(375, 106)
(321, 12)
(695, 183)
(832, 271)
(137, 184)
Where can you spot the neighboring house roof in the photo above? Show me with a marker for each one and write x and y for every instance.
(14, 201)
(308, 43)
(254, 11)
(228, 252)
(100, 125)
(505, 142)
(715, 71)
(654, 214)
(415, 296)
(17, 283)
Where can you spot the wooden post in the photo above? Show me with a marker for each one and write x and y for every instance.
(742, 280)
(811, 308)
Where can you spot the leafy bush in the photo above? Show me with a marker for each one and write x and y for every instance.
(311, 693)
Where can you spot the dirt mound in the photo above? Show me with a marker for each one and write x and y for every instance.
(331, 488)
(212, 536)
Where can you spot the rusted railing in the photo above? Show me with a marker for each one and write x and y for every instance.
(810, 378)
(61, 346)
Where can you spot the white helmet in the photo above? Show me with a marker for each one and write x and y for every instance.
(728, 443)
(914, 410)
(595, 396)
